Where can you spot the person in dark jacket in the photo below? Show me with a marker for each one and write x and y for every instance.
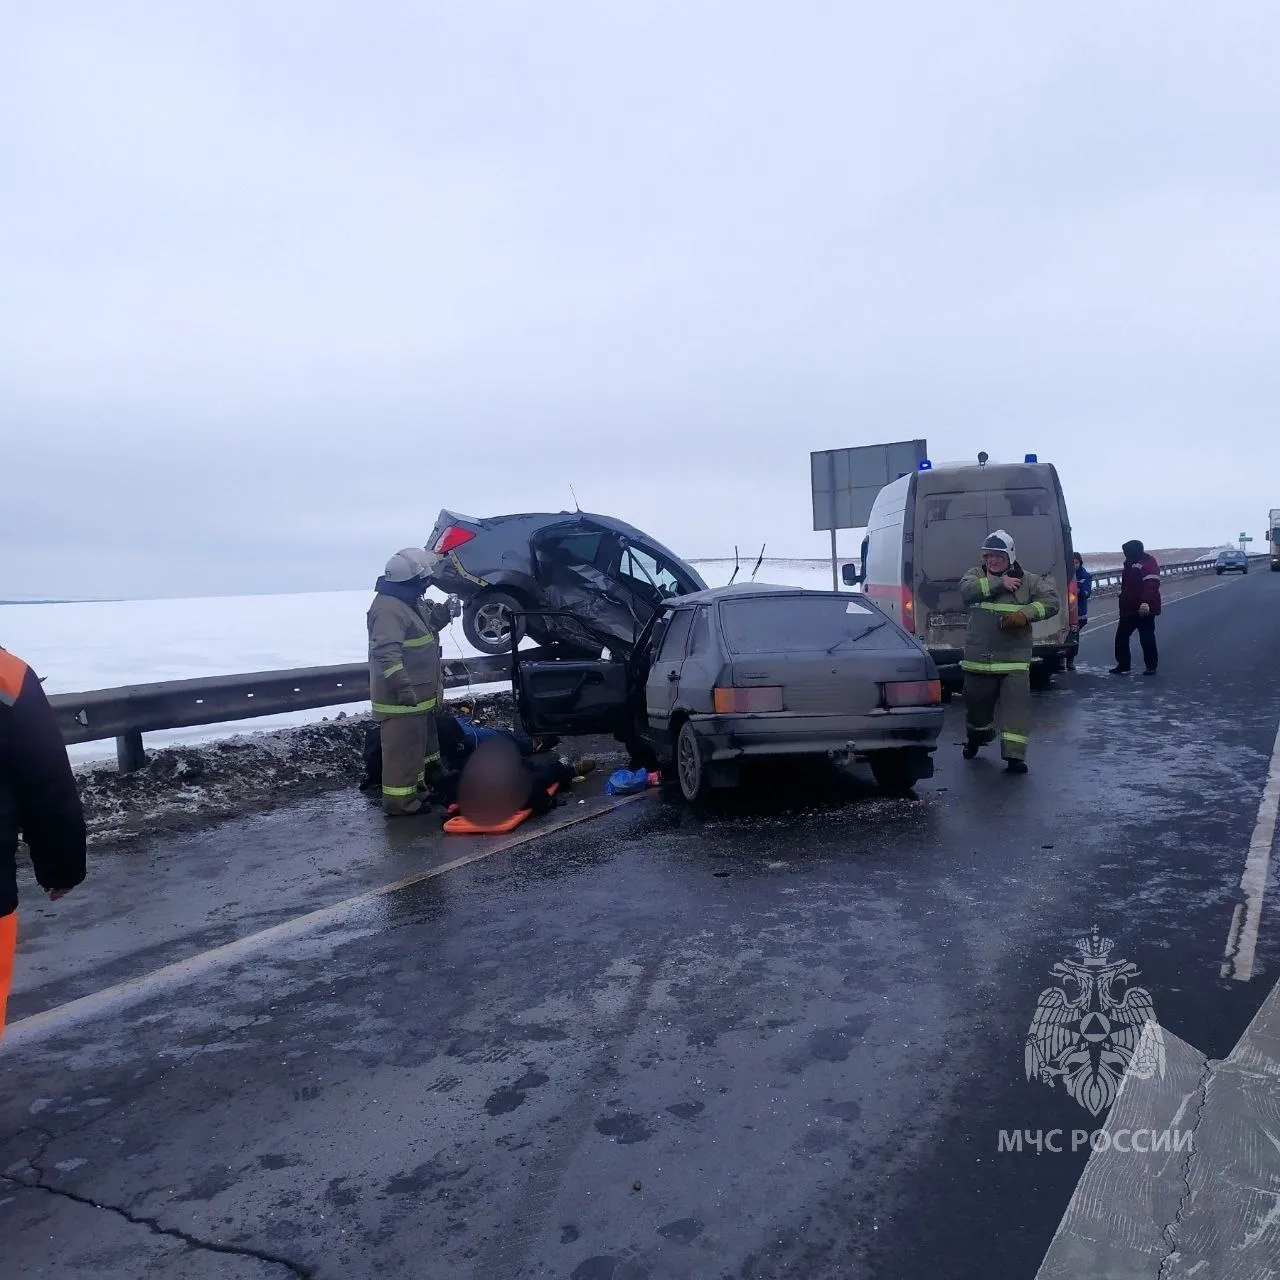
(1139, 609)
(39, 803)
(1084, 589)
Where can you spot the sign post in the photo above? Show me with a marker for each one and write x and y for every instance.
(1244, 537)
(845, 483)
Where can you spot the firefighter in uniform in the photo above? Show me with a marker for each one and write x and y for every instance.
(1004, 600)
(405, 678)
(39, 803)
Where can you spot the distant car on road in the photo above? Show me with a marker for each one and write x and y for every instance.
(546, 575)
(752, 672)
(1231, 562)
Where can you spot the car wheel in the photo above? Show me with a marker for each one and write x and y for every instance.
(691, 772)
(1219, 573)
(1041, 677)
(892, 771)
(490, 622)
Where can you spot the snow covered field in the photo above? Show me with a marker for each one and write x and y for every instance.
(98, 645)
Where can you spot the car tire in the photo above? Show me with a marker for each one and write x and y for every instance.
(690, 768)
(892, 772)
(490, 624)
(1220, 572)
(1041, 677)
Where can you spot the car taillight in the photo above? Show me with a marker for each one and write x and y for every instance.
(1073, 604)
(748, 701)
(451, 539)
(908, 610)
(913, 693)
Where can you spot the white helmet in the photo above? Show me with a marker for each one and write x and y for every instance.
(408, 564)
(999, 543)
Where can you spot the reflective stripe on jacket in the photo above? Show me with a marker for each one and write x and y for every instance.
(988, 648)
(1139, 585)
(404, 654)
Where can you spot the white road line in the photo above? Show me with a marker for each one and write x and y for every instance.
(63, 1015)
(1242, 939)
(1114, 617)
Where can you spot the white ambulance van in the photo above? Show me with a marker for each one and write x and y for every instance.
(924, 534)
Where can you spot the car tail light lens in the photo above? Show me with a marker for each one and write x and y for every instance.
(1073, 603)
(451, 539)
(748, 701)
(913, 693)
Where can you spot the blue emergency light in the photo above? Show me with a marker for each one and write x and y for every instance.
(926, 465)
(1031, 457)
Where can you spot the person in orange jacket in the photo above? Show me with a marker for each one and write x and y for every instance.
(39, 803)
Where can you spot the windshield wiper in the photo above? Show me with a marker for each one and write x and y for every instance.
(866, 631)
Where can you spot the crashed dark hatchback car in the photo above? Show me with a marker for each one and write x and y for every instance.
(577, 582)
(748, 672)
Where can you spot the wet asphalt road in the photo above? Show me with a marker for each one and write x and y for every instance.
(777, 1039)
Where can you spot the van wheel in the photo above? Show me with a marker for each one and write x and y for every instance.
(691, 772)
(1041, 677)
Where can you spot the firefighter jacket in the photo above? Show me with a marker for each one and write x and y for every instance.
(404, 652)
(989, 647)
(39, 800)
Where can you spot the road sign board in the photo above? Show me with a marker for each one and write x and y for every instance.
(846, 481)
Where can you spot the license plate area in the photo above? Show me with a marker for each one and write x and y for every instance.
(946, 621)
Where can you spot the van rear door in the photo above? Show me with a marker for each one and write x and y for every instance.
(954, 514)
(950, 527)
(1033, 515)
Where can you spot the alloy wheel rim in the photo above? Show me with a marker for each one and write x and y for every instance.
(493, 623)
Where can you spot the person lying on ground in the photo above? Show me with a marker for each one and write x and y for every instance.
(498, 782)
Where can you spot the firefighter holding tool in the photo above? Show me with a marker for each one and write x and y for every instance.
(1004, 600)
(405, 678)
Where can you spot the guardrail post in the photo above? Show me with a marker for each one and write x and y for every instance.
(130, 756)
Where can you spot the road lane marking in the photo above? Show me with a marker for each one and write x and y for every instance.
(1114, 617)
(1242, 938)
(63, 1015)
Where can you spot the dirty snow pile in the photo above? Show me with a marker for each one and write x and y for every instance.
(192, 785)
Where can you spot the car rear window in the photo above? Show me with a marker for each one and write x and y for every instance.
(800, 624)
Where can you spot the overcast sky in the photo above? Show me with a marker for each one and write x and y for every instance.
(281, 280)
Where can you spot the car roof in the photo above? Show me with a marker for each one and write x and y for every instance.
(555, 517)
(747, 591)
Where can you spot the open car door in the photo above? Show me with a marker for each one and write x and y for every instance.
(575, 696)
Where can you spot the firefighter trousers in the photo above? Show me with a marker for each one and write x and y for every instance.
(998, 705)
(410, 751)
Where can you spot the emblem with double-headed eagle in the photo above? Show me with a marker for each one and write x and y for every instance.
(1093, 1026)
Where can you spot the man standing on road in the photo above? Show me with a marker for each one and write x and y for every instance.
(39, 802)
(1004, 600)
(405, 678)
(1139, 608)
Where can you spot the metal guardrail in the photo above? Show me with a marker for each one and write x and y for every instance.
(1108, 580)
(126, 713)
